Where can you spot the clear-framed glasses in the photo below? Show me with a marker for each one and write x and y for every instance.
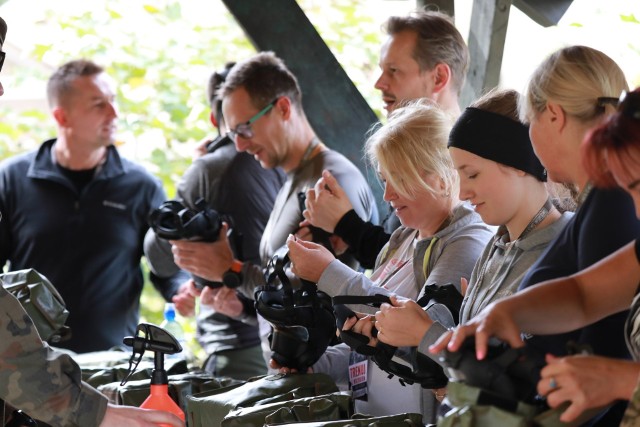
(244, 129)
(2, 55)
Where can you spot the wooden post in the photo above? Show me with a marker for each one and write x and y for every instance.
(337, 111)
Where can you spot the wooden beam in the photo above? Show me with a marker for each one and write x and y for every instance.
(487, 33)
(544, 12)
(337, 111)
(445, 6)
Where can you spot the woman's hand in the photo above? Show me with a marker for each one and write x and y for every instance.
(402, 323)
(308, 259)
(326, 203)
(362, 324)
(493, 321)
(586, 382)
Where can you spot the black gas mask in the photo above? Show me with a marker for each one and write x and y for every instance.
(302, 318)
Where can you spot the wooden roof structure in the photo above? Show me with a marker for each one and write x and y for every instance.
(337, 111)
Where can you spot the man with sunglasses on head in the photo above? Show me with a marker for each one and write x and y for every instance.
(262, 106)
(47, 384)
(233, 184)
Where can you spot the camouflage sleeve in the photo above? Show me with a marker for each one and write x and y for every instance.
(44, 383)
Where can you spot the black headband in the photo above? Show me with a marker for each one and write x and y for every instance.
(496, 137)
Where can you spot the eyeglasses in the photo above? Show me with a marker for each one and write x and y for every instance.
(244, 129)
(628, 103)
(2, 55)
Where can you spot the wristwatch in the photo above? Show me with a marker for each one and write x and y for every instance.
(232, 278)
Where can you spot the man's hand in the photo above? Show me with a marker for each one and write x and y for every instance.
(185, 298)
(223, 300)
(204, 259)
(326, 203)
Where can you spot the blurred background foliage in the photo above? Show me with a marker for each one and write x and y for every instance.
(160, 59)
(162, 52)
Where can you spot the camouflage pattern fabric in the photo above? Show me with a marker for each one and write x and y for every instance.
(44, 383)
(631, 416)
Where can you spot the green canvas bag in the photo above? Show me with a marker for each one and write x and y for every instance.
(117, 373)
(360, 420)
(133, 393)
(210, 408)
(328, 407)
(41, 301)
(468, 412)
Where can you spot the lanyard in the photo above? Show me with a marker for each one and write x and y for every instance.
(510, 256)
(427, 258)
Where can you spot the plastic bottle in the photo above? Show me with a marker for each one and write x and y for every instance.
(171, 325)
(159, 399)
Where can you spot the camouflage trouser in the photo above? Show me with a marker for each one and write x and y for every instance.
(632, 414)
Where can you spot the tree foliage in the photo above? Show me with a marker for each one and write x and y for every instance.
(160, 54)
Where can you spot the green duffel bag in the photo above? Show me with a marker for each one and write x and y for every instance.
(468, 412)
(117, 373)
(360, 420)
(328, 407)
(133, 393)
(210, 408)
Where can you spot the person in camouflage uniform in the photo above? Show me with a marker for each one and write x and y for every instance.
(45, 383)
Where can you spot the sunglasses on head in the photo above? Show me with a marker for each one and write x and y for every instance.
(628, 103)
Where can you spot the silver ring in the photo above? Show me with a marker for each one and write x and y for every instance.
(553, 383)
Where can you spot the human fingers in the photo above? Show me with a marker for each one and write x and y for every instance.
(185, 304)
(310, 198)
(442, 342)
(349, 323)
(304, 233)
(464, 284)
(331, 184)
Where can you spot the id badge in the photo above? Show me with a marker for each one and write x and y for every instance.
(358, 365)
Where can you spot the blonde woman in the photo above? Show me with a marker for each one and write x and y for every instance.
(439, 242)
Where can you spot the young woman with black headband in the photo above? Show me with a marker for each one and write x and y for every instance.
(503, 179)
(612, 157)
(572, 92)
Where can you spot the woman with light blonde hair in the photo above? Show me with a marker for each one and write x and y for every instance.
(438, 243)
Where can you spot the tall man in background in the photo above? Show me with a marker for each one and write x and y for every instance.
(424, 56)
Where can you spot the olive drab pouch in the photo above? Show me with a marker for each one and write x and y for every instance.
(41, 301)
(328, 407)
(210, 408)
(110, 374)
(133, 393)
(360, 420)
(474, 407)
